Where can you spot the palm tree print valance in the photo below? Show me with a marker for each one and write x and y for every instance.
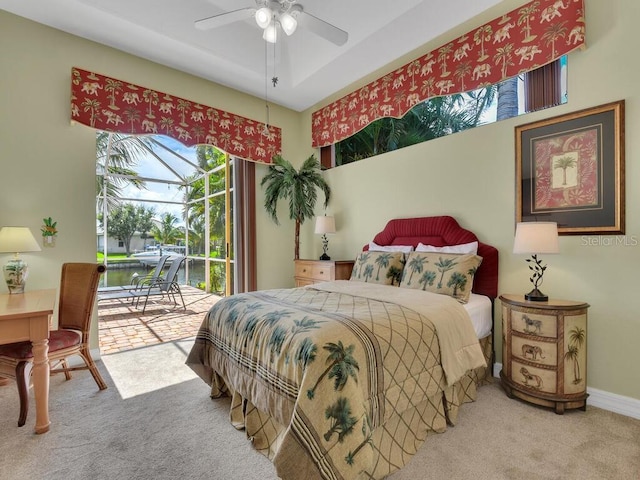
(118, 106)
(524, 39)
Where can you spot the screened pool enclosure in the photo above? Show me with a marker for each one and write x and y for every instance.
(152, 192)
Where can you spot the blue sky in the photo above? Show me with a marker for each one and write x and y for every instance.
(152, 168)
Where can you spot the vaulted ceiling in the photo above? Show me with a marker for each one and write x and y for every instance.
(308, 67)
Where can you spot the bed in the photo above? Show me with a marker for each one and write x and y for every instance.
(346, 379)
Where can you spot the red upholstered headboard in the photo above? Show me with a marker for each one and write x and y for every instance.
(440, 231)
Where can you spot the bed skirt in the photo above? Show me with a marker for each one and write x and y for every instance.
(413, 426)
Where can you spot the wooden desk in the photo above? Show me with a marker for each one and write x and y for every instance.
(25, 316)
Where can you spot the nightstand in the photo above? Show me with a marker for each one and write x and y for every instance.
(544, 352)
(315, 271)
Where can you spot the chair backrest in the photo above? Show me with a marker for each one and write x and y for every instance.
(157, 271)
(172, 273)
(78, 287)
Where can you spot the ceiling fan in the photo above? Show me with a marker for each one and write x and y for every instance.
(273, 14)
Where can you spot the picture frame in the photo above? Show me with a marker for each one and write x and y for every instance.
(570, 170)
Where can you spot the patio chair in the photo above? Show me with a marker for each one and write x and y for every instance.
(78, 285)
(138, 281)
(163, 287)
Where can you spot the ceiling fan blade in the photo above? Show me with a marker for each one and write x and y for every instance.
(324, 29)
(224, 18)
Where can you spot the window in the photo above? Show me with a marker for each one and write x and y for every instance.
(541, 88)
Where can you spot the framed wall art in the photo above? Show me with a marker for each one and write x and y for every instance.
(570, 170)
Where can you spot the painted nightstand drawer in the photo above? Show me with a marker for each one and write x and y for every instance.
(543, 353)
(537, 380)
(534, 323)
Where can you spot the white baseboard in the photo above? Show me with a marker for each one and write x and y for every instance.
(613, 402)
(599, 398)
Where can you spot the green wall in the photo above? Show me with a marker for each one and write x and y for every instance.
(47, 169)
(47, 165)
(471, 176)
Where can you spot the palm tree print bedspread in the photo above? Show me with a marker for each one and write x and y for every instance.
(329, 367)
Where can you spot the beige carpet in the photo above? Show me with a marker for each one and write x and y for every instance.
(156, 421)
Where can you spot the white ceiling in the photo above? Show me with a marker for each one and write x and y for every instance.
(309, 68)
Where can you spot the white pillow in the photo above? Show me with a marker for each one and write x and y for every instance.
(471, 247)
(374, 247)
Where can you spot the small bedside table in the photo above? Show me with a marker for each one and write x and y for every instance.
(544, 352)
(315, 271)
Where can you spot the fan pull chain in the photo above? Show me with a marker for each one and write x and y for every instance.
(274, 79)
(265, 130)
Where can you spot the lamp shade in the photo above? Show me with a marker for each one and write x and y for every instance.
(17, 240)
(325, 224)
(536, 237)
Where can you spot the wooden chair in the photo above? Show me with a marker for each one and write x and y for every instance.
(78, 286)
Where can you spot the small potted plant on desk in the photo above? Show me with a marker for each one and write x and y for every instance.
(49, 232)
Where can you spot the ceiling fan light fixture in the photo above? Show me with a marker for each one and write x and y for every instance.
(288, 23)
(270, 33)
(263, 17)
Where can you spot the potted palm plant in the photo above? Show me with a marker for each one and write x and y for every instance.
(49, 232)
(298, 188)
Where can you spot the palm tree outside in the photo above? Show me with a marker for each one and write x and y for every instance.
(167, 233)
(445, 115)
(116, 156)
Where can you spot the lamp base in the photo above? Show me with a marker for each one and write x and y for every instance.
(15, 274)
(324, 256)
(536, 295)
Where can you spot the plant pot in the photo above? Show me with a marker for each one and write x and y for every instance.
(49, 241)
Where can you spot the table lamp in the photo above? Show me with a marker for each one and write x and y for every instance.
(325, 225)
(16, 240)
(535, 238)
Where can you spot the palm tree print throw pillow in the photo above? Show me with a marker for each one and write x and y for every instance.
(446, 273)
(384, 268)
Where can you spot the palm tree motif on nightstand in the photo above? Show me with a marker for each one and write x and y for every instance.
(577, 337)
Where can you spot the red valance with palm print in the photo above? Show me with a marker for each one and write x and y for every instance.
(117, 106)
(524, 39)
